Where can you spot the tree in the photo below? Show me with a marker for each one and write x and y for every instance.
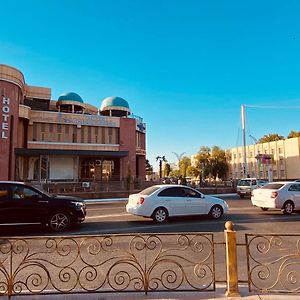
(149, 168)
(293, 134)
(219, 166)
(167, 170)
(271, 137)
(184, 163)
(160, 159)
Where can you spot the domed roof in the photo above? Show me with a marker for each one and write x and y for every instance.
(70, 96)
(113, 101)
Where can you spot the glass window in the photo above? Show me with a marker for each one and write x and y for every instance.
(295, 187)
(191, 193)
(273, 186)
(172, 192)
(3, 192)
(150, 190)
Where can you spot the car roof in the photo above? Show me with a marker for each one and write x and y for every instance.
(12, 182)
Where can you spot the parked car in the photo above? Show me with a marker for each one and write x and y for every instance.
(24, 204)
(247, 185)
(281, 195)
(160, 202)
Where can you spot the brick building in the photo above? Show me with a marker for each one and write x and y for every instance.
(66, 139)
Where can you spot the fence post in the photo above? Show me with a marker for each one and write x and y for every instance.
(231, 261)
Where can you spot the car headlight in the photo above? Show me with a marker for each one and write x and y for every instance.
(78, 204)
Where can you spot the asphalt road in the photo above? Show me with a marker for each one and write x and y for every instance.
(110, 218)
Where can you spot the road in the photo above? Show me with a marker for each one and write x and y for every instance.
(110, 218)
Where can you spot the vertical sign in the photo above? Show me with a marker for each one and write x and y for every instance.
(5, 118)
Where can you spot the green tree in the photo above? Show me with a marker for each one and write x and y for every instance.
(167, 170)
(203, 162)
(293, 134)
(193, 171)
(219, 165)
(271, 137)
(174, 173)
(149, 168)
(184, 163)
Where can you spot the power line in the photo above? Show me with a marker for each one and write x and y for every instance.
(272, 107)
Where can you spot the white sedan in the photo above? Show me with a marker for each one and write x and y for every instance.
(162, 201)
(284, 195)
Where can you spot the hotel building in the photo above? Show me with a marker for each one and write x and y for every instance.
(67, 139)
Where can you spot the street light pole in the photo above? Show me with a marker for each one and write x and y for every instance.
(244, 140)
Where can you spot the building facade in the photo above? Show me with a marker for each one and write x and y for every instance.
(284, 163)
(43, 140)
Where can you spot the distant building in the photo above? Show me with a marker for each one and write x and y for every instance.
(66, 139)
(284, 162)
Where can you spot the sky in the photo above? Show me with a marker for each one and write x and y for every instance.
(184, 66)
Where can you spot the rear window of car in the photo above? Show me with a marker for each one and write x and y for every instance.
(244, 183)
(273, 186)
(150, 190)
(3, 192)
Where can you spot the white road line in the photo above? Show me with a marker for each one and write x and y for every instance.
(107, 216)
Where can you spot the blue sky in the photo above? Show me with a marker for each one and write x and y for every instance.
(185, 66)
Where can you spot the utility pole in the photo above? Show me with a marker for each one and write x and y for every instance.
(244, 140)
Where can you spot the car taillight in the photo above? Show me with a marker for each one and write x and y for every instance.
(274, 194)
(140, 201)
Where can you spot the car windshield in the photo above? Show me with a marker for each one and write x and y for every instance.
(244, 183)
(273, 186)
(150, 190)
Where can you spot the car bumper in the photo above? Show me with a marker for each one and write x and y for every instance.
(264, 203)
(137, 210)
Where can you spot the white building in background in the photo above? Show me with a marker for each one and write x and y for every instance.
(285, 162)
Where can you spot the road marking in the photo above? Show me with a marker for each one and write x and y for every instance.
(106, 216)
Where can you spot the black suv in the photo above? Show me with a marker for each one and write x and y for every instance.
(24, 204)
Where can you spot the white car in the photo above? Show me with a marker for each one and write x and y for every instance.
(160, 202)
(282, 195)
(247, 185)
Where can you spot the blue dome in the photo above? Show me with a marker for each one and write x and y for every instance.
(114, 101)
(70, 97)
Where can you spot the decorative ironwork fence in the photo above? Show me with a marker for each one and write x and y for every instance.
(74, 264)
(273, 262)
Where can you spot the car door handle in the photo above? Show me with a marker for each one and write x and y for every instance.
(43, 201)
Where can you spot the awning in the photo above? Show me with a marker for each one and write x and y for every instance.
(36, 152)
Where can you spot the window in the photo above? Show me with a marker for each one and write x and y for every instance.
(172, 192)
(67, 129)
(3, 192)
(59, 128)
(294, 188)
(51, 127)
(34, 131)
(191, 193)
(43, 127)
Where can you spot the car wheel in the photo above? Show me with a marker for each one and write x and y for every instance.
(160, 215)
(216, 212)
(288, 208)
(242, 196)
(264, 208)
(59, 221)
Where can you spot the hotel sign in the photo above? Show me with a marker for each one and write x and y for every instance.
(5, 114)
(73, 119)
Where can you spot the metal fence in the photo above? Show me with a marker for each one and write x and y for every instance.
(131, 263)
(273, 262)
